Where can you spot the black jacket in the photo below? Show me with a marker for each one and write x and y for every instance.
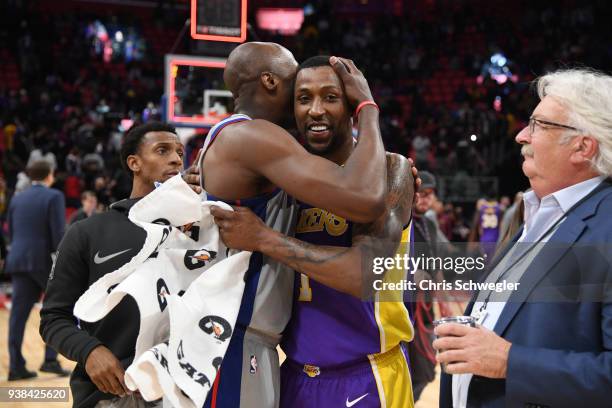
(80, 215)
(91, 248)
(425, 235)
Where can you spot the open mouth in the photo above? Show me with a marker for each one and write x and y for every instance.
(318, 131)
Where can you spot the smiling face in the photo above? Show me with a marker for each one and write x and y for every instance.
(159, 157)
(321, 111)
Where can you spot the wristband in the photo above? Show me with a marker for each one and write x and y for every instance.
(365, 103)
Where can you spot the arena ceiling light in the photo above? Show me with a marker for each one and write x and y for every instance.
(285, 21)
(498, 69)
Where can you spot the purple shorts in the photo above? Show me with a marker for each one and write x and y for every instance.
(381, 380)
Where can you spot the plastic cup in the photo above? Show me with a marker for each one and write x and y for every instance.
(464, 320)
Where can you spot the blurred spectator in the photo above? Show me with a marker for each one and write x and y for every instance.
(102, 191)
(41, 154)
(421, 145)
(421, 355)
(504, 203)
(89, 205)
(446, 219)
(3, 203)
(486, 225)
(461, 230)
(509, 216)
(72, 191)
(23, 182)
(73, 162)
(36, 226)
(3, 197)
(513, 219)
(434, 212)
(93, 163)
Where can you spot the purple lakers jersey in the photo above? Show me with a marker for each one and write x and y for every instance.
(329, 328)
(489, 218)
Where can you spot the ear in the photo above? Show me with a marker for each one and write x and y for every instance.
(269, 80)
(133, 163)
(584, 149)
(50, 179)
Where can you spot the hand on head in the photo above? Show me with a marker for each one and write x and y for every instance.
(355, 85)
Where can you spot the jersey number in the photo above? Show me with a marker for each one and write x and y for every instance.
(489, 221)
(305, 290)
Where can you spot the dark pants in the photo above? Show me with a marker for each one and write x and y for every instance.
(423, 371)
(25, 293)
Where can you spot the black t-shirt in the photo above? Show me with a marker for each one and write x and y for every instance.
(90, 249)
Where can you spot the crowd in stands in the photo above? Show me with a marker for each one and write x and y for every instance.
(62, 100)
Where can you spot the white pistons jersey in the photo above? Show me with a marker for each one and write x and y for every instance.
(251, 363)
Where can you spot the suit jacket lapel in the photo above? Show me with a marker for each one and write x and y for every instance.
(496, 259)
(562, 240)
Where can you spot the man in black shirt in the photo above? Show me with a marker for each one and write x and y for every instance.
(422, 356)
(94, 247)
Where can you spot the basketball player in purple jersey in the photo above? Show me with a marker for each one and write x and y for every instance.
(250, 160)
(341, 351)
(489, 223)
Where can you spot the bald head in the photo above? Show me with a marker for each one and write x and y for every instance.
(260, 77)
(248, 61)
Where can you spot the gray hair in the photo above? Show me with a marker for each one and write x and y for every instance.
(587, 94)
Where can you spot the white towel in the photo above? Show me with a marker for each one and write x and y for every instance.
(187, 290)
(202, 322)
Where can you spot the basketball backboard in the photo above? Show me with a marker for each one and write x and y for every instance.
(195, 95)
(219, 20)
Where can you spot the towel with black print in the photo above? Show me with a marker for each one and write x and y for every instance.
(180, 250)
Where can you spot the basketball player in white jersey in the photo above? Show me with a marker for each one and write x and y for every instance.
(250, 160)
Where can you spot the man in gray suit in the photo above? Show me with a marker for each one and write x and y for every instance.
(36, 219)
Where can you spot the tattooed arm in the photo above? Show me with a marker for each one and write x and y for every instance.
(340, 268)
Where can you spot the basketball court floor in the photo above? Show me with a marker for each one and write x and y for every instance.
(33, 351)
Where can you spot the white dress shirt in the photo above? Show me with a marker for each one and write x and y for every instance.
(540, 216)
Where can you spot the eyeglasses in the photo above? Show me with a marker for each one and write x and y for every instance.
(543, 123)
